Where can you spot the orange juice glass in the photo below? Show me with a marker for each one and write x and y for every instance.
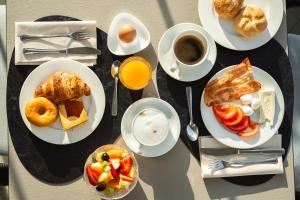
(135, 73)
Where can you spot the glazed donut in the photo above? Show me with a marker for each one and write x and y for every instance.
(40, 111)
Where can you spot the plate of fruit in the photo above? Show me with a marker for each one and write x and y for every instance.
(242, 106)
(111, 171)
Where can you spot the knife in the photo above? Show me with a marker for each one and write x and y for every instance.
(75, 50)
(230, 151)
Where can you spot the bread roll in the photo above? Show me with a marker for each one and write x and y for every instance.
(250, 21)
(228, 9)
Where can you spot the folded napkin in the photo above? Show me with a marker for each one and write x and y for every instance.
(37, 28)
(209, 142)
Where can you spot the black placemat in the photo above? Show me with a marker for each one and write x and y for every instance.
(58, 164)
(271, 57)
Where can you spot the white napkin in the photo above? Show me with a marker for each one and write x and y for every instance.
(209, 142)
(36, 28)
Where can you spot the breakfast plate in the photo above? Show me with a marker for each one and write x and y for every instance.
(93, 104)
(168, 61)
(222, 30)
(231, 139)
(173, 127)
(114, 43)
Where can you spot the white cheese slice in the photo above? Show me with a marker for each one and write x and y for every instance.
(267, 108)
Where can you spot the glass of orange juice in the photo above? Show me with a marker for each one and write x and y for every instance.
(135, 73)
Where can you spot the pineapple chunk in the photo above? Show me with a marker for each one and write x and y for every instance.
(105, 177)
(123, 184)
(132, 172)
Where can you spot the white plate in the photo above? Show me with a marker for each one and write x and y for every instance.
(167, 59)
(266, 132)
(113, 41)
(94, 104)
(223, 31)
(167, 144)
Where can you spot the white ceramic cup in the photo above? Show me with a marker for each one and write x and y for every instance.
(150, 127)
(198, 35)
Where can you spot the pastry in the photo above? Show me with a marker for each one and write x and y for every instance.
(63, 86)
(72, 113)
(228, 9)
(41, 111)
(250, 21)
(127, 33)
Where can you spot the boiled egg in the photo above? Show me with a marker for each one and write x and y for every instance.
(247, 110)
(246, 99)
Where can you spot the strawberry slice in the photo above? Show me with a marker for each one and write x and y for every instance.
(92, 175)
(126, 178)
(113, 171)
(125, 165)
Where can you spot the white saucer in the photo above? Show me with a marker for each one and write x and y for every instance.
(167, 59)
(174, 126)
(113, 42)
(223, 31)
(94, 104)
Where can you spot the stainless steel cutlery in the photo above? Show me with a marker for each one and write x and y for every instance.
(77, 35)
(216, 165)
(75, 50)
(232, 151)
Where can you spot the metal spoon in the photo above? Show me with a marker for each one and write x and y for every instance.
(114, 73)
(191, 129)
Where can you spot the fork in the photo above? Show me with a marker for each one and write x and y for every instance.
(221, 164)
(77, 35)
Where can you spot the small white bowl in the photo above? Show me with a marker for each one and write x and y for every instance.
(116, 46)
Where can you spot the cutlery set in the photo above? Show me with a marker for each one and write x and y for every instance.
(219, 164)
(77, 35)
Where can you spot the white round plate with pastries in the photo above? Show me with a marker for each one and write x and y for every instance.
(223, 32)
(94, 104)
(229, 138)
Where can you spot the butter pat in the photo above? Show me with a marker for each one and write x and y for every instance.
(267, 108)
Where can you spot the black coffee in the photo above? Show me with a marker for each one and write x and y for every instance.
(189, 49)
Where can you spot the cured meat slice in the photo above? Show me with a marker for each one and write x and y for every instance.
(236, 82)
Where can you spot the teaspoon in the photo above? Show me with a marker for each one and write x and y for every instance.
(191, 129)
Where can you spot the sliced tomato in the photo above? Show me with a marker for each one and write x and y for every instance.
(254, 130)
(92, 175)
(224, 112)
(236, 119)
(125, 165)
(126, 178)
(243, 125)
(113, 171)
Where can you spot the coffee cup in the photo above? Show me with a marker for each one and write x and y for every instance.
(150, 127)
(190, 49)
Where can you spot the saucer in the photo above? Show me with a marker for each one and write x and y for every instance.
(168, 61)
(115, 45)
(174, 127)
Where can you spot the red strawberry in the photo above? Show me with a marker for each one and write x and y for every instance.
(93, 176)
(125, 165)
(126, 178)
(113, 172)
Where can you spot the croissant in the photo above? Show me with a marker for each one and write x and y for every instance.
(63, 86)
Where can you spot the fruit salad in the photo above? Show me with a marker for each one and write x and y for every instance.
(111, 170)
